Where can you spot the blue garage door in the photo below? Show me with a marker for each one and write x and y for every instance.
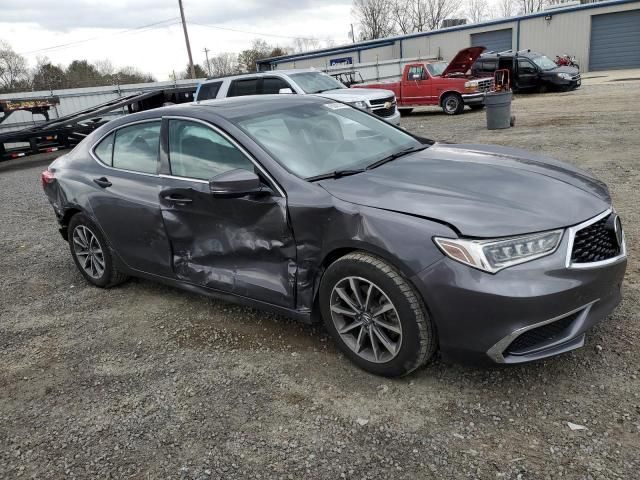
(615, 40)
(496, 41)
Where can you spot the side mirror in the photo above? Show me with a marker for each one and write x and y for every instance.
(235, 183)
(285, 91)
(416, 76)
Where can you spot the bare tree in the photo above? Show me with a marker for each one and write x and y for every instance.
(374, 18)
(477, 10)
(105, 67)
(223, 64)
(402, 16)
(530, 6)
(506, 8)
(13, 69)
(438, 10)
(301, 45)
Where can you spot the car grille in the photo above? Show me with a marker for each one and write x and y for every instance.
(382, 101)
(595, 242)
(485, 85)
(385, 112)
(541, 336)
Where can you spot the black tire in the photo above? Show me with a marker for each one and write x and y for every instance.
(110, 275)
(476, 107)
(452, 104)
(405, 111)
(416, 340)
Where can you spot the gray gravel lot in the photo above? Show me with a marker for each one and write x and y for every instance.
(144, 381)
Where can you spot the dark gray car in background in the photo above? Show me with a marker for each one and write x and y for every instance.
(312, 208)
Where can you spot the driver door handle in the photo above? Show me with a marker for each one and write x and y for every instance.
(172, 197)
(102, 182)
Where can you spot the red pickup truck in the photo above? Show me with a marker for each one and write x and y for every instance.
(439, 83)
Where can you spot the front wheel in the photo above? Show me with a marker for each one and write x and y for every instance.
(452, 104)
(375, 316)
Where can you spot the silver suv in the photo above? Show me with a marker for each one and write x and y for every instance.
(302, 82)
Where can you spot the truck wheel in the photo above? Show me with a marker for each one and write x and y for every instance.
(405, 111)
(452, 104)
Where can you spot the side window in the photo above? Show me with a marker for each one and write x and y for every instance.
(247, 86)
(136, 147)
(273, 85)
(525, 66)
(197, 151)
(488, 65)
(104, 150)
(416, 73)
(209, 90)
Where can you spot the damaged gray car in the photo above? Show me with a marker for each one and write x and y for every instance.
(317, 210)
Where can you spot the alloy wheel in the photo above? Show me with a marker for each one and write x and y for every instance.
(451, 104)
(366, 319)
(88, 251)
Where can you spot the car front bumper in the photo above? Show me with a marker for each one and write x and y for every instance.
(473, 98)
(527, 312)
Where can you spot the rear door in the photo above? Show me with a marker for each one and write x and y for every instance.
(242, 246)
(125, 198)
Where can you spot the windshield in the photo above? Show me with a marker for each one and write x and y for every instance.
(436, 69)
(315, 82)
(319, 138)
(545, 63)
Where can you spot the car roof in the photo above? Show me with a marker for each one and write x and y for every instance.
(522, 53)
(261, 74)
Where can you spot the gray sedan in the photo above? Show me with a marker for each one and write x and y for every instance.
(320, 211)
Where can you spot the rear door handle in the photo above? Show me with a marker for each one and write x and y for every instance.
(102, 182)
(177, 198)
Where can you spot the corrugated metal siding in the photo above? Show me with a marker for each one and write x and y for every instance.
(497, 41)
(615, 41)
(76, 99)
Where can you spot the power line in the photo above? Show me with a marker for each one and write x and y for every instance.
(140, 29)
(255, 33)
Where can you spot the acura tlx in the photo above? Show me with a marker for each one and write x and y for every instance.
(320, 211)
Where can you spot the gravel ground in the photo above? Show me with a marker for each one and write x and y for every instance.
(144, 381)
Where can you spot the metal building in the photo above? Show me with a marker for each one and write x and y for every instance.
(602, 36)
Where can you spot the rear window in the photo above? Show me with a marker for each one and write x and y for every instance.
(209, 90)
(239, 88)
(487, 65)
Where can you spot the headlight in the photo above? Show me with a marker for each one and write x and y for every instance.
(494, 255)
(470, 87)
(564, 76)
(360, 104)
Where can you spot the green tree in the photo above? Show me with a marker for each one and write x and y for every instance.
(48, 76)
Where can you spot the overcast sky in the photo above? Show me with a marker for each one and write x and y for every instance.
(35, 27)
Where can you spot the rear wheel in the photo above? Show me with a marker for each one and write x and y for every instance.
(405, 111)
(452, 104)
(91, 253)
(375, 316)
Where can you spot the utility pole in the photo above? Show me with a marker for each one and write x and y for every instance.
(206, 52)
(192, 70)
(353, 35)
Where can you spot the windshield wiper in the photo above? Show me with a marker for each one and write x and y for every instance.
(336, 174)
(399, 154)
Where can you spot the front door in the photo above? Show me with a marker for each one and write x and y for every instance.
(527, 76)
(242, 246)
(416, 87)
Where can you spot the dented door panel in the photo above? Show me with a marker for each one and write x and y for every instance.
(242, 246)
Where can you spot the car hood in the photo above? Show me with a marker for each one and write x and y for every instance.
(356, 94)
(481, 190)
(563, 69)
(463, 60)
